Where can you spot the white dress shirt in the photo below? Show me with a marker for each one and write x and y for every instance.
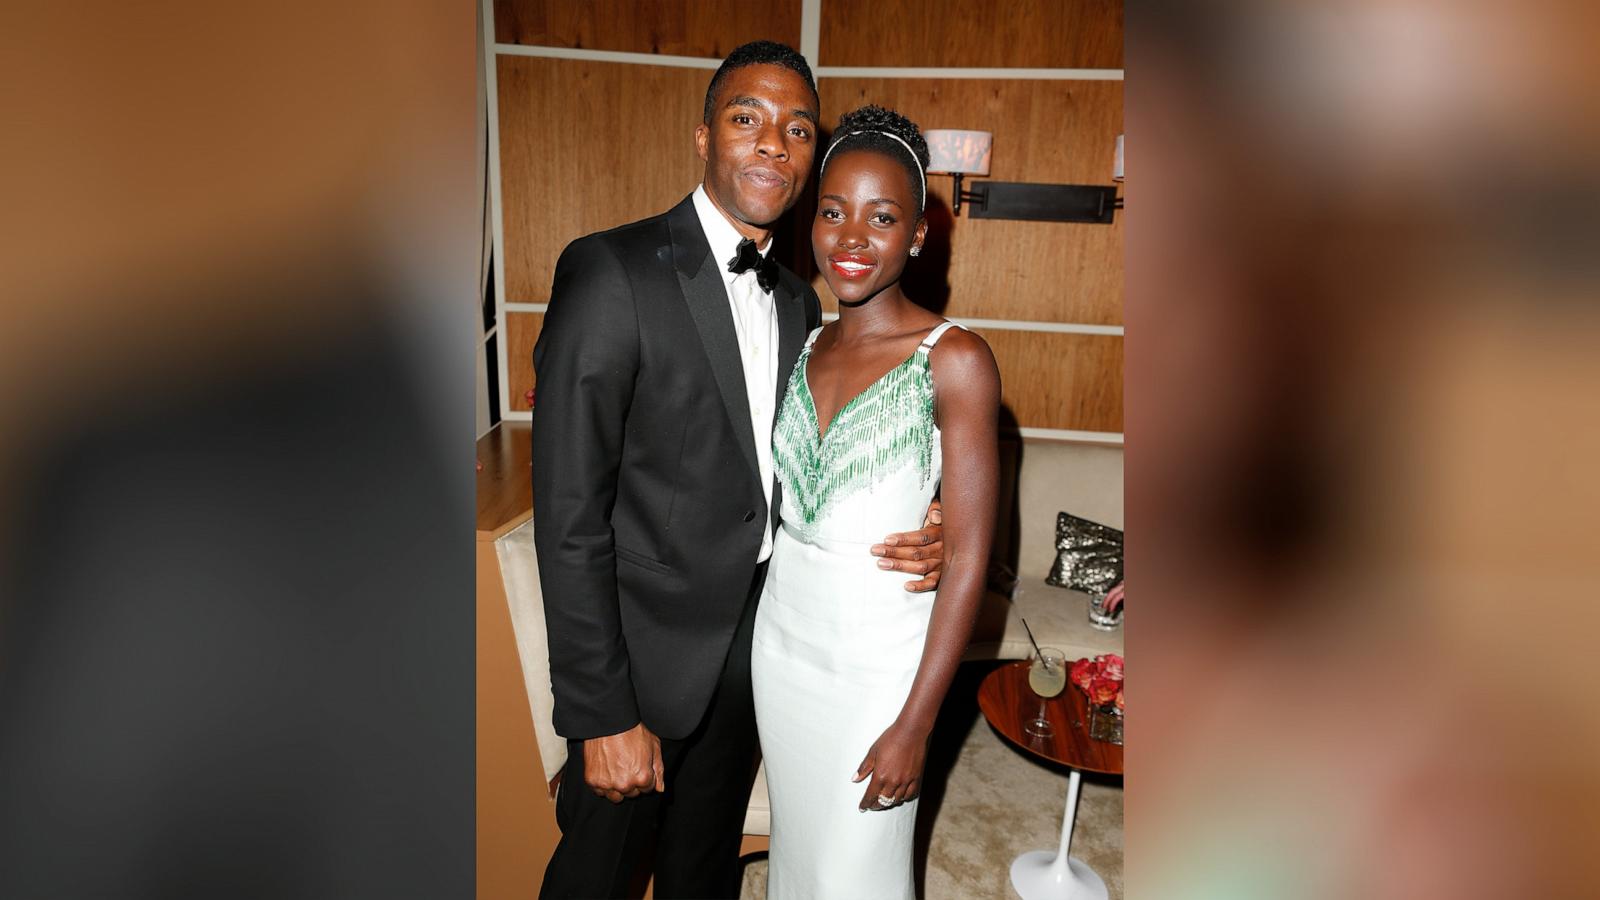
(755, 323)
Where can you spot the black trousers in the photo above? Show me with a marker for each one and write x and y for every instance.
(696, 825)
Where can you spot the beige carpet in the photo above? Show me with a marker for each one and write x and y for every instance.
(989, 801)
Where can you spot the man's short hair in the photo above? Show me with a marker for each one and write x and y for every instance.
(758, 53)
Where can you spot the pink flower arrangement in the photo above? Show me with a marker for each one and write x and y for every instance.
(1100, 679)
(529, 397)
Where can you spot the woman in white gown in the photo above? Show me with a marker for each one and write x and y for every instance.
(849, 668)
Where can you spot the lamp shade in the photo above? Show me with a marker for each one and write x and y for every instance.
(952, 150)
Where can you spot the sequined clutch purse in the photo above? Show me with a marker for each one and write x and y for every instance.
(1088, 556)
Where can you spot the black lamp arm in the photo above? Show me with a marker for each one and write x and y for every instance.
(959, 196)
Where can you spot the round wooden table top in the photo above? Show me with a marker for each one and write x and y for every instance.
(1007, 702)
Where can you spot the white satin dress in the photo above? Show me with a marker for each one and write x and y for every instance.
(838, 640)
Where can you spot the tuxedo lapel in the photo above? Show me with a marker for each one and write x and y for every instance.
(707, 298)
(791, 308)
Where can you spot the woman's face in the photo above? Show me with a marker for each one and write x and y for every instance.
(867, 222)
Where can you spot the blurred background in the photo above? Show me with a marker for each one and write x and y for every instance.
(242, 338)
(236, 336)
(1361, 413)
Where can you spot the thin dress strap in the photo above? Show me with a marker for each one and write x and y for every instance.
(934, 335)
(812, 337)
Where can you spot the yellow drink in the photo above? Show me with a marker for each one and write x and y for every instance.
(1047, 682)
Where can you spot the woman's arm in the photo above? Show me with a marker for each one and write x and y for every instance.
(967, 403)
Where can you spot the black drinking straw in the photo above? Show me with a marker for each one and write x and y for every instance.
(1035, 644)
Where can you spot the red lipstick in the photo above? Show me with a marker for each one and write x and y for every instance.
(852, 265)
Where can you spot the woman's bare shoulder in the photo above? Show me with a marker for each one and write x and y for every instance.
(964, 369)
(959, 347)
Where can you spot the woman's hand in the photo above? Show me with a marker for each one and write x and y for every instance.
(1113, 599)
(895, 764)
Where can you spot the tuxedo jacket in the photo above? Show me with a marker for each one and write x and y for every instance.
(647, 502)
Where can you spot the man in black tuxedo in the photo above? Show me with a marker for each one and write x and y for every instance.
(663, 357)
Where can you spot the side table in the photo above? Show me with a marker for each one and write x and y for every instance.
(1007, 702)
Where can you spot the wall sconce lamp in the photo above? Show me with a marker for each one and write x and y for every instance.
(958, 153)
(962, 153)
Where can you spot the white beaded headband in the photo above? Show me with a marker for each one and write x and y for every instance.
(898, 140)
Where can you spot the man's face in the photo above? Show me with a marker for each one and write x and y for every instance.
(759, 144)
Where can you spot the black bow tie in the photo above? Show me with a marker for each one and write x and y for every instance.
(750, 258)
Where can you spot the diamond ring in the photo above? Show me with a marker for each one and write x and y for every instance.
(885, 801)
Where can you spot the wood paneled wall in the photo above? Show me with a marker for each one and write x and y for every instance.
(1052, 377)
(586, 146)
(589, 145)
(707, 28)
(1061, 34)
(521, 333)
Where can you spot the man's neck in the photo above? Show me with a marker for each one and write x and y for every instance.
(760, 235)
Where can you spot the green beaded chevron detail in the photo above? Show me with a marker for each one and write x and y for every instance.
(884, 428)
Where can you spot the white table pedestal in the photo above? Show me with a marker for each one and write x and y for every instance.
(1042, 875)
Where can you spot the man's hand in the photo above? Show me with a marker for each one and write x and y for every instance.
(624, 765)
(919, 552)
